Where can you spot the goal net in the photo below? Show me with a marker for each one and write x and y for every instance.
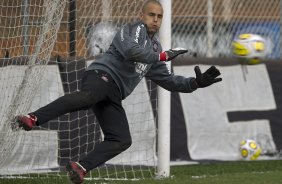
(28, 33)
(45, 47)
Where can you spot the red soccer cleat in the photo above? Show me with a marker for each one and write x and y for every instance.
(27, 122)
(76, 172)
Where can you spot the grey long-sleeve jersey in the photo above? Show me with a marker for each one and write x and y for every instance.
(133, 55)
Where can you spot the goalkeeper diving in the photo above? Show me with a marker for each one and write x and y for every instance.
(134, 53)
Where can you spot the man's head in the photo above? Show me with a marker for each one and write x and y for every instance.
(152, 15)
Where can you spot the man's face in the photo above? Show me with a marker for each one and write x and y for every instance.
(152, 16)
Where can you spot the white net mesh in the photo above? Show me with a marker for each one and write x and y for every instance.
(23, 44)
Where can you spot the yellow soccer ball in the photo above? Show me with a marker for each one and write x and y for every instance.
(249, 149)
(250, 48)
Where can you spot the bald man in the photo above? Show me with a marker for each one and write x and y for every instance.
(134, 53)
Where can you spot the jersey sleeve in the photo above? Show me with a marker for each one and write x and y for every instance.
(131, 41)
(160, 74)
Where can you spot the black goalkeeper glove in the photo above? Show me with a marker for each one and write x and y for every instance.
(208, 77)
(171, 54)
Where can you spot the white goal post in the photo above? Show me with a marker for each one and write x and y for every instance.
(164, 103)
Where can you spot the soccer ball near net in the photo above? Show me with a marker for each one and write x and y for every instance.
(250, 48)
(249, 149)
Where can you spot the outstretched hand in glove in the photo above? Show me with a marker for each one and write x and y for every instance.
(171, 54)
(208, 77)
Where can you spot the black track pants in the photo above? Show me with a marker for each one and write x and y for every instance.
(100, 93)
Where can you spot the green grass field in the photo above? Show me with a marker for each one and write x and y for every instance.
(256, 172)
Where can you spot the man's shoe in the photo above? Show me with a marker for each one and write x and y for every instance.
(27, 122)
(76, 172)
